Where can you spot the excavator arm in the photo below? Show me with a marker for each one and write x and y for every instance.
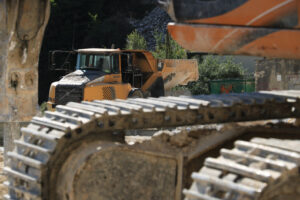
(243, 27)
(266, 28)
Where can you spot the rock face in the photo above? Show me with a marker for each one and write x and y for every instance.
(155, 21)
(22, 25)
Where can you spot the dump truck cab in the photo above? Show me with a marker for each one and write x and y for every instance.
(104, 62)
(108, 74)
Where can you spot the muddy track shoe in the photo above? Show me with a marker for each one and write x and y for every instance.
(53, 157)
(258, 170)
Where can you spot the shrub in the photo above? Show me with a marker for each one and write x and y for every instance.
(43, 107)
(166, 47)
(136, 41)
(212, 68)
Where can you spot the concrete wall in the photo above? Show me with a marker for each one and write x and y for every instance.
(277, 74)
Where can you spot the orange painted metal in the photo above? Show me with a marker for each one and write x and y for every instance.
(144, 59)
(113, 78)
(281, 44)
(267, 28)
(107, 91)
(253, 13)
(150, 81)
(179, 72)
(238, 40)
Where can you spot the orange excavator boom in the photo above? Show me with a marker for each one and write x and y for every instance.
(243, 27)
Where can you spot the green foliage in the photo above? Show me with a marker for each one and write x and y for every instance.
(53, 3)
(136, 41)
(43, 107)
(212, 68)
(166, 47)
(93, 16)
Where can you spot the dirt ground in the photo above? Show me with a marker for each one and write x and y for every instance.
(3, 189)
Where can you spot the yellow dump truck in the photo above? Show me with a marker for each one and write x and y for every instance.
(119, 74)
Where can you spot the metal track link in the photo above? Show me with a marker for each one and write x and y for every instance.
(45, 136)
(252, 170)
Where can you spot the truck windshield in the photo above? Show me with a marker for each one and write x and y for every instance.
(100, 62)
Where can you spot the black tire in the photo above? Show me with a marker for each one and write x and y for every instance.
(135, 93)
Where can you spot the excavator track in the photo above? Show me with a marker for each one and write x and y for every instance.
(259, 169)
(47, 141)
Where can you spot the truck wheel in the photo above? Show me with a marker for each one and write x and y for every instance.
(136, 93)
